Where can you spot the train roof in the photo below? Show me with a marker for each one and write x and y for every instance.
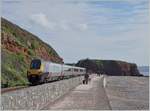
(56, 64)
(78, 67)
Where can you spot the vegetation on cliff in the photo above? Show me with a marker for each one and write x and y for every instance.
(19, 47)
(110, 67)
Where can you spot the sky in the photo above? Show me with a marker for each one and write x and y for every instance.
(79, 29)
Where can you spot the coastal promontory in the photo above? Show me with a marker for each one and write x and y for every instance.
(110, 67)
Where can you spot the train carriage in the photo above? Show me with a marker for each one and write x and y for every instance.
(78, 70)
(67, 70)
(44, 71)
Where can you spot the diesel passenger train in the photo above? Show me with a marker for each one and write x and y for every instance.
(45, 71)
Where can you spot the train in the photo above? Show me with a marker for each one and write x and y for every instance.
(41, 71)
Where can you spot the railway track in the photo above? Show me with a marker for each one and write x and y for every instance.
(4, 90)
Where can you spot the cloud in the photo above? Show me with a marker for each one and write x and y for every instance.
(42, 19)
(83, 26)
(71, 18)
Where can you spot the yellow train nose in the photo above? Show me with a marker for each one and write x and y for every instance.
(34, 72)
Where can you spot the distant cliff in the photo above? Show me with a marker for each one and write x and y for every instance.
(110, 67)
(18, 48)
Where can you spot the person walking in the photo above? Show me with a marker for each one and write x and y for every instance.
(86, 78)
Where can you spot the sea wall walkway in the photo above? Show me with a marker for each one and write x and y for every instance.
(90, 96)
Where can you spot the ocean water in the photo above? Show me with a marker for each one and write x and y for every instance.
(144, 70)
(145, 73)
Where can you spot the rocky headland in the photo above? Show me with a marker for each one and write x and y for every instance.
(110, 67)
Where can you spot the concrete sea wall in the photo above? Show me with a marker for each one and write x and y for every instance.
(36, 97)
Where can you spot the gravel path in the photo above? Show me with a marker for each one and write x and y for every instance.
(85, 97)
(128, 93)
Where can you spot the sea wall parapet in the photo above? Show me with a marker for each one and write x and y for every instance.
(36, 97)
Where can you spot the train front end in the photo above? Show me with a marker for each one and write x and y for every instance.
(35, 71)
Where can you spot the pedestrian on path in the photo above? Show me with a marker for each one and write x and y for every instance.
(86, 78)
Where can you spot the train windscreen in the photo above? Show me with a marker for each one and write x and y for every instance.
(35, 64)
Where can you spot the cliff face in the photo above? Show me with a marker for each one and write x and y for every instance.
(19, 47)
(110, 67)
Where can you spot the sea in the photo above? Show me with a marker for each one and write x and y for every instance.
(144, 70)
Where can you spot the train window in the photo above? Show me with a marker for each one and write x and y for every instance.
(75, 70)
(81, 70)
(69, 69)
(35, 64)
(65, 68)
(55, 68)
